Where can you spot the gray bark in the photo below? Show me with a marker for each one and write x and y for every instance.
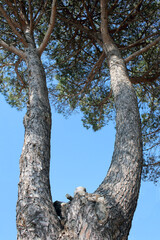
(107, 214)
(36, 217)
(104, 215)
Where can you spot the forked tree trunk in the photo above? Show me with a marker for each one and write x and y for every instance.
(104, 215)
(36, 217)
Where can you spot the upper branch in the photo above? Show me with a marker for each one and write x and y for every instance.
(146, 48)
(31, 16)
(13, 27)
(130, 14)
(138, 42)
(50, 28)
(12, 49)
(40, 12)
(89, 16)
(91, 33)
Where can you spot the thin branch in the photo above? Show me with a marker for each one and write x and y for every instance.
(75, 53)
(23, 12)
(16, 70)
(36, 14)
(50, 28)
(69, 57)
(12, 49)
(31, 16)
(12, 8)
(11, 24)
(110, 10)
(143, 79)
(89, 16)
(19, 17)
(106, 98)
(93, 72)
(152, 146)
(151, 164)
(73, 22)
(157, 130)
(41, 13)
(132, 56)
(10, 5)
(137, 42)
(6, 64)
(130, 14)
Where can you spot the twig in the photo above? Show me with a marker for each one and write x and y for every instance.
(157, 130)
(78, 25)
(38, 10)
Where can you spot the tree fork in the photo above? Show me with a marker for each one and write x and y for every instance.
(106, 214)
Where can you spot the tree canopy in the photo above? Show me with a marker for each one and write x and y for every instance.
(76, 66)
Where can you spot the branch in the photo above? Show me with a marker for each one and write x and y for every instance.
(139, 42)
(151, 164)
(110, 10)
(97, 66)
(11, 24)
(40, 7)
(16, 70)
(143, 79)
(93, 72)
(31, 16)
(41, 13)
(73, 22)
(130, 14)
(89, 16)
(23, 14)
(157, 130)
(12, 49)
(14, 11)
(132, 56)
(50, 28)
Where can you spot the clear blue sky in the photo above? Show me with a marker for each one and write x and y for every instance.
(79, 157)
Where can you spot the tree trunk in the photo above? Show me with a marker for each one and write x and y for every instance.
(107, 214)
(104, 215)
(36, 216)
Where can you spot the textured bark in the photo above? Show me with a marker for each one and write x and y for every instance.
(105, 215)
(36, 217)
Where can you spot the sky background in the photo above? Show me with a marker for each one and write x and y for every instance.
(79, 157)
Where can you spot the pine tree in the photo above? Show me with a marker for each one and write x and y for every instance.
(91, 32)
